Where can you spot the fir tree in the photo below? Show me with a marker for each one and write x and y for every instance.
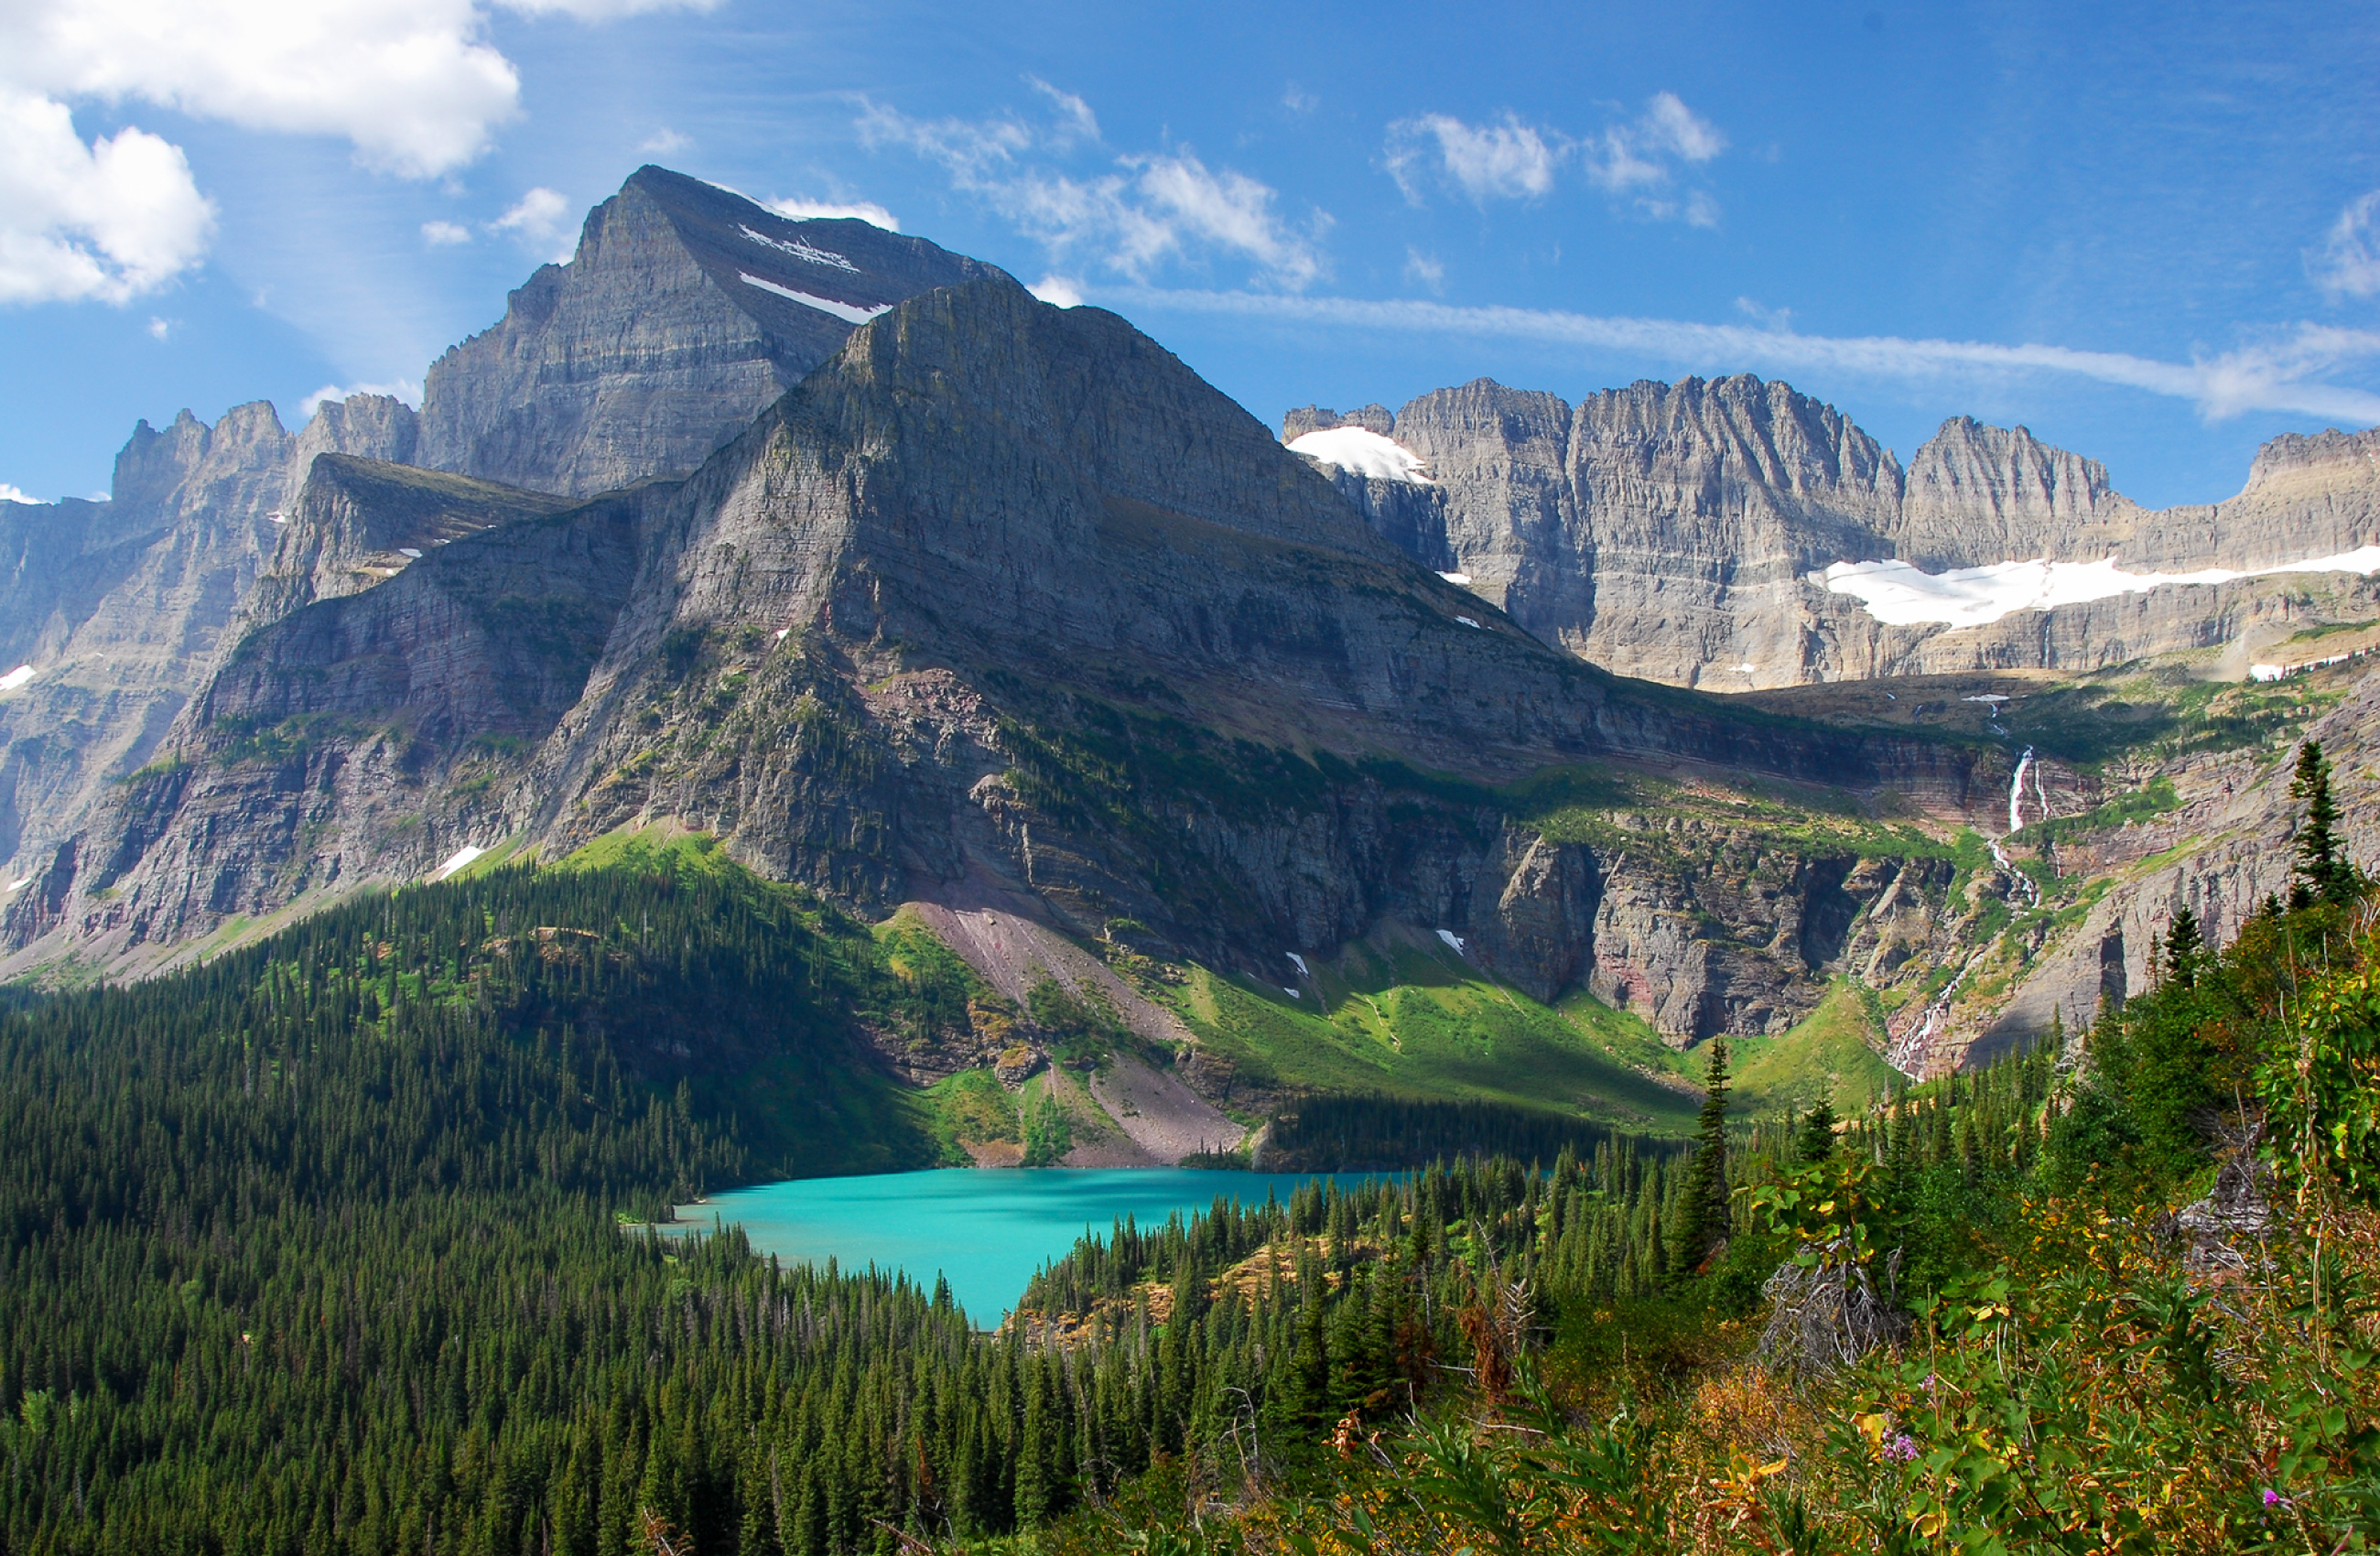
(2183, 948)
(1702, 1218)
(2322, 872)
(1818, 1138)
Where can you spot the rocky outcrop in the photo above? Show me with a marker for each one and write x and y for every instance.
(118, 608)
(356, 523)
(1672, 531)
(1975, 494)
(687, 310)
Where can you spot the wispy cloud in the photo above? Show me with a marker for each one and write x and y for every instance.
(445, 235)
(542, 218)
(663, 142)
(2350, 262)
(1425, 269)
(10, 494)
(1508, 159)
(1132, 213)
(2285, 373)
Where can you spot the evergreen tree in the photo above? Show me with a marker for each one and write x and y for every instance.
(1818, 1138)
(2183, 948)
(2324, 872)
(1701, 1217)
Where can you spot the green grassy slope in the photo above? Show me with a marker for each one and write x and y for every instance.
(1403, 1019)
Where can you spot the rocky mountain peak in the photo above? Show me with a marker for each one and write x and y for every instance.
(1979, 494)
(1374, 417)
(687, 310)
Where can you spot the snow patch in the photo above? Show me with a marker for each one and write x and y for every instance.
(1899, 595)
(1450, 578)
(800, 251)
(20, 883)
(1469, 622)
(1453, 939)
(1365, 453)
(848, 311)
(1291, 992)
(408, 550)
(2266, 671)
(456, 860)
(278, 517)
(1300, 962)
(1994, 697)
(16, 677)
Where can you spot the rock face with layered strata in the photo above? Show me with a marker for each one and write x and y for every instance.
(687, 310)
(119, 607)
(1672, 532)
(1005, 600)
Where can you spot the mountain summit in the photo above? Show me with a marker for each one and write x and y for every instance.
(687, 310)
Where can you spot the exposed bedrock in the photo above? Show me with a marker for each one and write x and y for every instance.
(1003, 593)
(1669, 530)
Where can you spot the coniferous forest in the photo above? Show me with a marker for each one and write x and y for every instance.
(330, 1244)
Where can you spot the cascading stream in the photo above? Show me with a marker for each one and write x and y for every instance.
(1910, 1052)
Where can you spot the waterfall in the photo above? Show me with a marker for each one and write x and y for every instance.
(2016, 792)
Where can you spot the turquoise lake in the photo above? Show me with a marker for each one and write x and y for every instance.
(986, 1230)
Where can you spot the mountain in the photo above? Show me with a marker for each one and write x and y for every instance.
(1672, 532)
(686, 310)
(114, 609)
(1000, 616)
(1002, 607)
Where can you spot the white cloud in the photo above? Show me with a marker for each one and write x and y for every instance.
(1142, 210)
(109, 221)
(2282, 375)
(413, 85)
(403, 389)
(1076, 120)
(12, 494)
(1427, 269)
(866, 211)
(1510, 161)
(160, 328)
(1060, 291)
(2350, 262)
(542, 218)
(604, 10)
(664, 141)
(1297, 99)
(1668, 124)
(443, 235)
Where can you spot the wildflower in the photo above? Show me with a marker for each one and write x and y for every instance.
(2274, 1498)
(1902, 1449)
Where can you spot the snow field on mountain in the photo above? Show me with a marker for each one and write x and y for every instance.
(1899, 595)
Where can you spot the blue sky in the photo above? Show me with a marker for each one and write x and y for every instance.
(2152, 233)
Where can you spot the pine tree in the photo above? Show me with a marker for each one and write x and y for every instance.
(1702, 1217)
(1818, 1138)
(2322, 872)
(2183, 948)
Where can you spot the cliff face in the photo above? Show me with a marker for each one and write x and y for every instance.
(1003, 604)
(687, 310)
(1668, 532)
(119, 607)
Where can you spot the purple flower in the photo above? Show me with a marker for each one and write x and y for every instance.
(1903, 1448)
(2274, 1498)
